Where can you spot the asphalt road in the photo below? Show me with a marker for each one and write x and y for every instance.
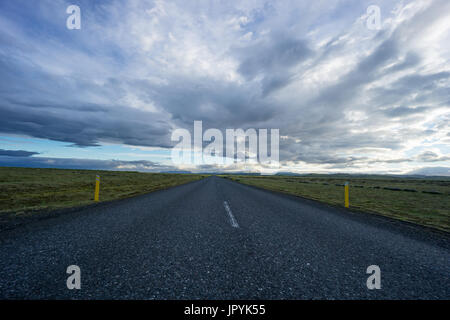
(217, 239)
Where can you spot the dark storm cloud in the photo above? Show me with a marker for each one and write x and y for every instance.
(85, 128)
(324, 132)
(68, 163)
(423, 88)
(328, 159)
(322, 123)
(365, 71)
(45, 106)
(278, 53)
(218, 104)
(403, 111)
(272, 59)
(411, 59)
(423, 82)
(430, 156)
(127, 85)
(17, 153)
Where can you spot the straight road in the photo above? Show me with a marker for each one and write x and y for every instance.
(218, 239)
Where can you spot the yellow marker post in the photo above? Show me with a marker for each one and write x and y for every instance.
(97, 188)
(346, 195)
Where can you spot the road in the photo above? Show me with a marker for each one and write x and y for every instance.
(218, 239)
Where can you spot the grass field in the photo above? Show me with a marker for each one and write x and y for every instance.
(421, 201)
(24, 190)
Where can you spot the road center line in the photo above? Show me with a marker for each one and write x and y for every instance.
(233, 221)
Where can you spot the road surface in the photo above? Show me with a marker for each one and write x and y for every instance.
(218, 239)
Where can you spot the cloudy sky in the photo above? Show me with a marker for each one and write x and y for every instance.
(346, 97)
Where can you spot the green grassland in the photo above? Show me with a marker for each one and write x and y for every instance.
(25, 190)
(417, 200)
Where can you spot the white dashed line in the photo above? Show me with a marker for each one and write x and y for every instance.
(233, 221)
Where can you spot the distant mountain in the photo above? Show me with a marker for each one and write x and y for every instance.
(287, 173)
(176, 171)
(243, 173)
(432, 171)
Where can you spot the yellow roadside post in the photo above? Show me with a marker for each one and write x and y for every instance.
(97, 188)
(346, 195)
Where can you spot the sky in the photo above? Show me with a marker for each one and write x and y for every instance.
(346, 97)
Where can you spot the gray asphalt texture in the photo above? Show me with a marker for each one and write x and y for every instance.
(179, 244)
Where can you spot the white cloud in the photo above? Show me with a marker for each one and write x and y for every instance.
(345, 97)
